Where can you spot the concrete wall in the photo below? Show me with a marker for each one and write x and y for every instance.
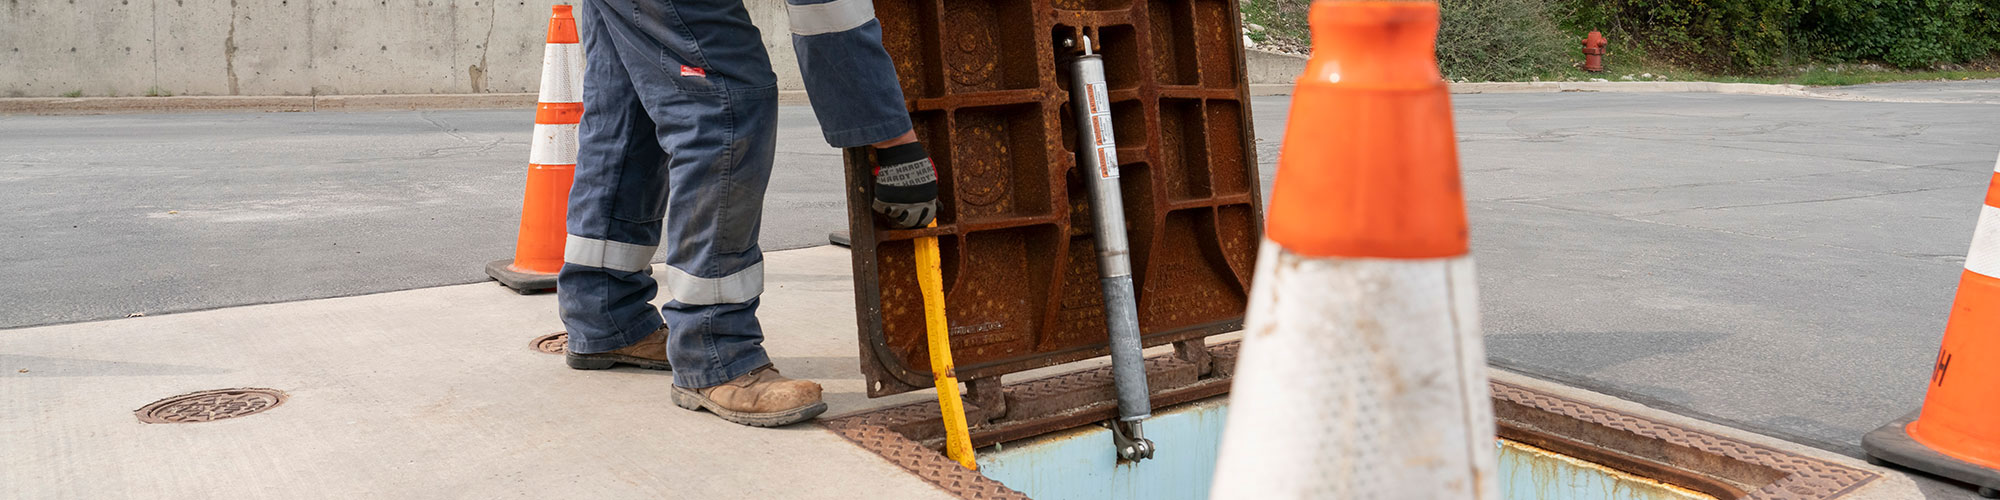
(292, 47)
(1272, 68)
(101, 48)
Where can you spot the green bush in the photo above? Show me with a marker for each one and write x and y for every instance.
(1711, 35)
(1517, 39)
(1905, 33)
(1753, 35)
(1483, 40)
(1477, 40)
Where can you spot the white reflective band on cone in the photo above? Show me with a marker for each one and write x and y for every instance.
(553, 145)
(1984, 257)
(732, 289)
(613, 255)
(1359, 378)
(562, 72)
(830, 17)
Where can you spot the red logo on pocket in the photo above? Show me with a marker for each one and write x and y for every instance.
(687, 70)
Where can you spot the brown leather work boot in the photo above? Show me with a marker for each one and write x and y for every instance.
(762, 398)
(649, 353)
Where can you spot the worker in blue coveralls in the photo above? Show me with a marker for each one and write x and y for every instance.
(680, 125)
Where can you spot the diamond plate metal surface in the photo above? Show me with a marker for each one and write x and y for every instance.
(1796, 476)
(926, 463)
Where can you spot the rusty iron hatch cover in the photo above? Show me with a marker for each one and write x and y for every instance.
(910, 435)
(989, 95)
(553, 343)
(209, 406)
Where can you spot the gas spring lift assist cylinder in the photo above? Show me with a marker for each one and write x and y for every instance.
(1098, 157)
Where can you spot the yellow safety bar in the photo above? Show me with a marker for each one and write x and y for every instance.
(930, 278)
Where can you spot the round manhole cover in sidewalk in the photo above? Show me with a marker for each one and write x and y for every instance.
(207, 406)
(553, 343)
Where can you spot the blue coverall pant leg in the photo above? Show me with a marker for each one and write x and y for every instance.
(680, 126)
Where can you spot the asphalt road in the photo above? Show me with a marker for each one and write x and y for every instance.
(1781, 264)
(123, 214)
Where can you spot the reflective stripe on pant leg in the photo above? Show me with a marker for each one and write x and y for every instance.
(808, 18)
(614, 255)
(735, 288)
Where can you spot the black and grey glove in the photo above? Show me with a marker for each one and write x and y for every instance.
(906, 192)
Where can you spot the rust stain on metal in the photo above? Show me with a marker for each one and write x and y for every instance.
(971, 48)
(984, 173)
(209, 406)
(1172, 37)
(985, 87)
(1215, 24)
(902, 34)
(553, 343)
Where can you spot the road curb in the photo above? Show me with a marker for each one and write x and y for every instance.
(282, 104)
(410, 102)
(396, 102)
(1781, 90)
(1615, 87)
(274, 104)
(1633, 87)
(104, 105)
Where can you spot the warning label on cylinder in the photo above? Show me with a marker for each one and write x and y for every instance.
(1100, 131)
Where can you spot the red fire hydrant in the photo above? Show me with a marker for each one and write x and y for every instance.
(1593, 52)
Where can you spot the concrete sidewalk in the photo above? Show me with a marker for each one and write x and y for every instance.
(436, 392)
(425, 393)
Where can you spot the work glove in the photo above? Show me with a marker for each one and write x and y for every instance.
(906, 193)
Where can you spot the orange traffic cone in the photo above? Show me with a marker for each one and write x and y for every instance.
(538, 252)
(1363, 374)
(1957, 432)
